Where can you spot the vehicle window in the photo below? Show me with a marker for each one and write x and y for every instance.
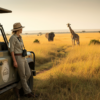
(1, 38)
(3, 46)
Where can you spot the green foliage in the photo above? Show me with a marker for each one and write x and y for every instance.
(36, 41)
(94, 42)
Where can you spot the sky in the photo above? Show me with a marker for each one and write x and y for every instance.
(51, 14)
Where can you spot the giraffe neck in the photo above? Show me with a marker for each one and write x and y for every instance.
(71, 31)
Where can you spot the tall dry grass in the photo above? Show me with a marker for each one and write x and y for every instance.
(75, 72)
(77, 77)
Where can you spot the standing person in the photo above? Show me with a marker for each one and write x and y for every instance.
(16, 46)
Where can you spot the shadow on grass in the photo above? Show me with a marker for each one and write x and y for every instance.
(45, 63)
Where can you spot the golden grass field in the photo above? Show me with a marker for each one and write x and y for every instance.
(74, 72)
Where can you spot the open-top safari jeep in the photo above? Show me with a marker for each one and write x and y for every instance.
(8, 74)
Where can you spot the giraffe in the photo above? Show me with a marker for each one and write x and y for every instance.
(74, 36)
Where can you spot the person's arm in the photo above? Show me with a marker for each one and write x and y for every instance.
(14, 60)
(12, 46)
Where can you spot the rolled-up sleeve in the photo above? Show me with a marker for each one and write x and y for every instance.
(12, 44)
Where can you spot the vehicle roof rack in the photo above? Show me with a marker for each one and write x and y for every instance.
(3, 10)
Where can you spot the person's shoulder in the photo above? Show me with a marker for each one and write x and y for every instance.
(12, 37)
(20, 36)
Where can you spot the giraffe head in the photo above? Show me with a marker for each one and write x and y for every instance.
(68, 24)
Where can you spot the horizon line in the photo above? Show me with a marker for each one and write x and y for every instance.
(56, 30)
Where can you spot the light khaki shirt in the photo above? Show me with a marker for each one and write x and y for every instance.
(16, 45)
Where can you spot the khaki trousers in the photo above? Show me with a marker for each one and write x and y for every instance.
(24, 73)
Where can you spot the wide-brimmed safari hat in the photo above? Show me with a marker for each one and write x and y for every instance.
(17, 26)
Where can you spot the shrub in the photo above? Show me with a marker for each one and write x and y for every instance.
(94, 42)
(36, 41)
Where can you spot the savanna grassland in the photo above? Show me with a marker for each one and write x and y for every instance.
(64, 72)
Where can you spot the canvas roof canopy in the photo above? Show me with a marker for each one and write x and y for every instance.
(3, 10)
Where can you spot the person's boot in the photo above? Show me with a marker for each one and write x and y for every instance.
(29, 95)
(35, 95)
(17, 93)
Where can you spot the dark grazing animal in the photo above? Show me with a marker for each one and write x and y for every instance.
(50, 36)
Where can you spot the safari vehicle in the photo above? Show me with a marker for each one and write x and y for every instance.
(8, 74)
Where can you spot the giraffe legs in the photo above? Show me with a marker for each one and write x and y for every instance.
(77, 41)
(73, 42)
